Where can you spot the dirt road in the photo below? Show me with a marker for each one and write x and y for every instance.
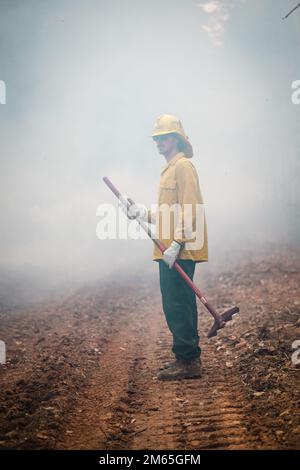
(81, 370)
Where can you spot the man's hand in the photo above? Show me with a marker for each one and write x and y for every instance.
(134, 211)
(171, 254)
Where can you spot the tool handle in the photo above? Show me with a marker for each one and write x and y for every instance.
(162, 248)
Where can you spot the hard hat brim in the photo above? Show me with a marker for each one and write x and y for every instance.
(188, 149)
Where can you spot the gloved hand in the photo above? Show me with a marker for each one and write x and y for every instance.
(171, 253)
(134, 211)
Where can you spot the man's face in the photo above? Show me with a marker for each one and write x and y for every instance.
(166, 144)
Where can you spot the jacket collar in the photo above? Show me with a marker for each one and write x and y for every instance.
(173, 160)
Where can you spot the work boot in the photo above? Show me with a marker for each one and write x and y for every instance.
(182, 370)
(171, 364)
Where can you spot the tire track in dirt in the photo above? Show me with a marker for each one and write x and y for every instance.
(193, 414)
(81, 369)
(126, 407)
(104, 416)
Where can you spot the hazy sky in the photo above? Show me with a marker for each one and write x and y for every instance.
(85, 81)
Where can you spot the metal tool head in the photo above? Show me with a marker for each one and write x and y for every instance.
(225, 317)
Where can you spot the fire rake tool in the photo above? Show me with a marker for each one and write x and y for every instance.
(220, 320)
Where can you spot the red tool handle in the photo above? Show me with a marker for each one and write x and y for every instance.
(162, 248)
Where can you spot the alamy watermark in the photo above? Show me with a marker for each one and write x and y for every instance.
(174, 221)
(2, 352)
(295, 97)
(2, 92)
(296, 353)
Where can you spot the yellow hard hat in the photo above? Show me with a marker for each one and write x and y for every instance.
(168, 124)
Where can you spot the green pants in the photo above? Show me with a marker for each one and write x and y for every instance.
(180, 309)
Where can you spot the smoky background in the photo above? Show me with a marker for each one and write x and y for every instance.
(85, 82)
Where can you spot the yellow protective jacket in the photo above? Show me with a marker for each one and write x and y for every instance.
(179, 185)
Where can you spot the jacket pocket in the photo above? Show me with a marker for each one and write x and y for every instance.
(167, 192)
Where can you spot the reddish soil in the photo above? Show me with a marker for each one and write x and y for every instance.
(81, 369)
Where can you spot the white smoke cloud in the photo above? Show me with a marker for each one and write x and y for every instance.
(216, 18)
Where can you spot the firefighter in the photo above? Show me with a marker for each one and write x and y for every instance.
(178, 187)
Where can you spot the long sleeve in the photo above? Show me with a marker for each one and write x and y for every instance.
(189, 196)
